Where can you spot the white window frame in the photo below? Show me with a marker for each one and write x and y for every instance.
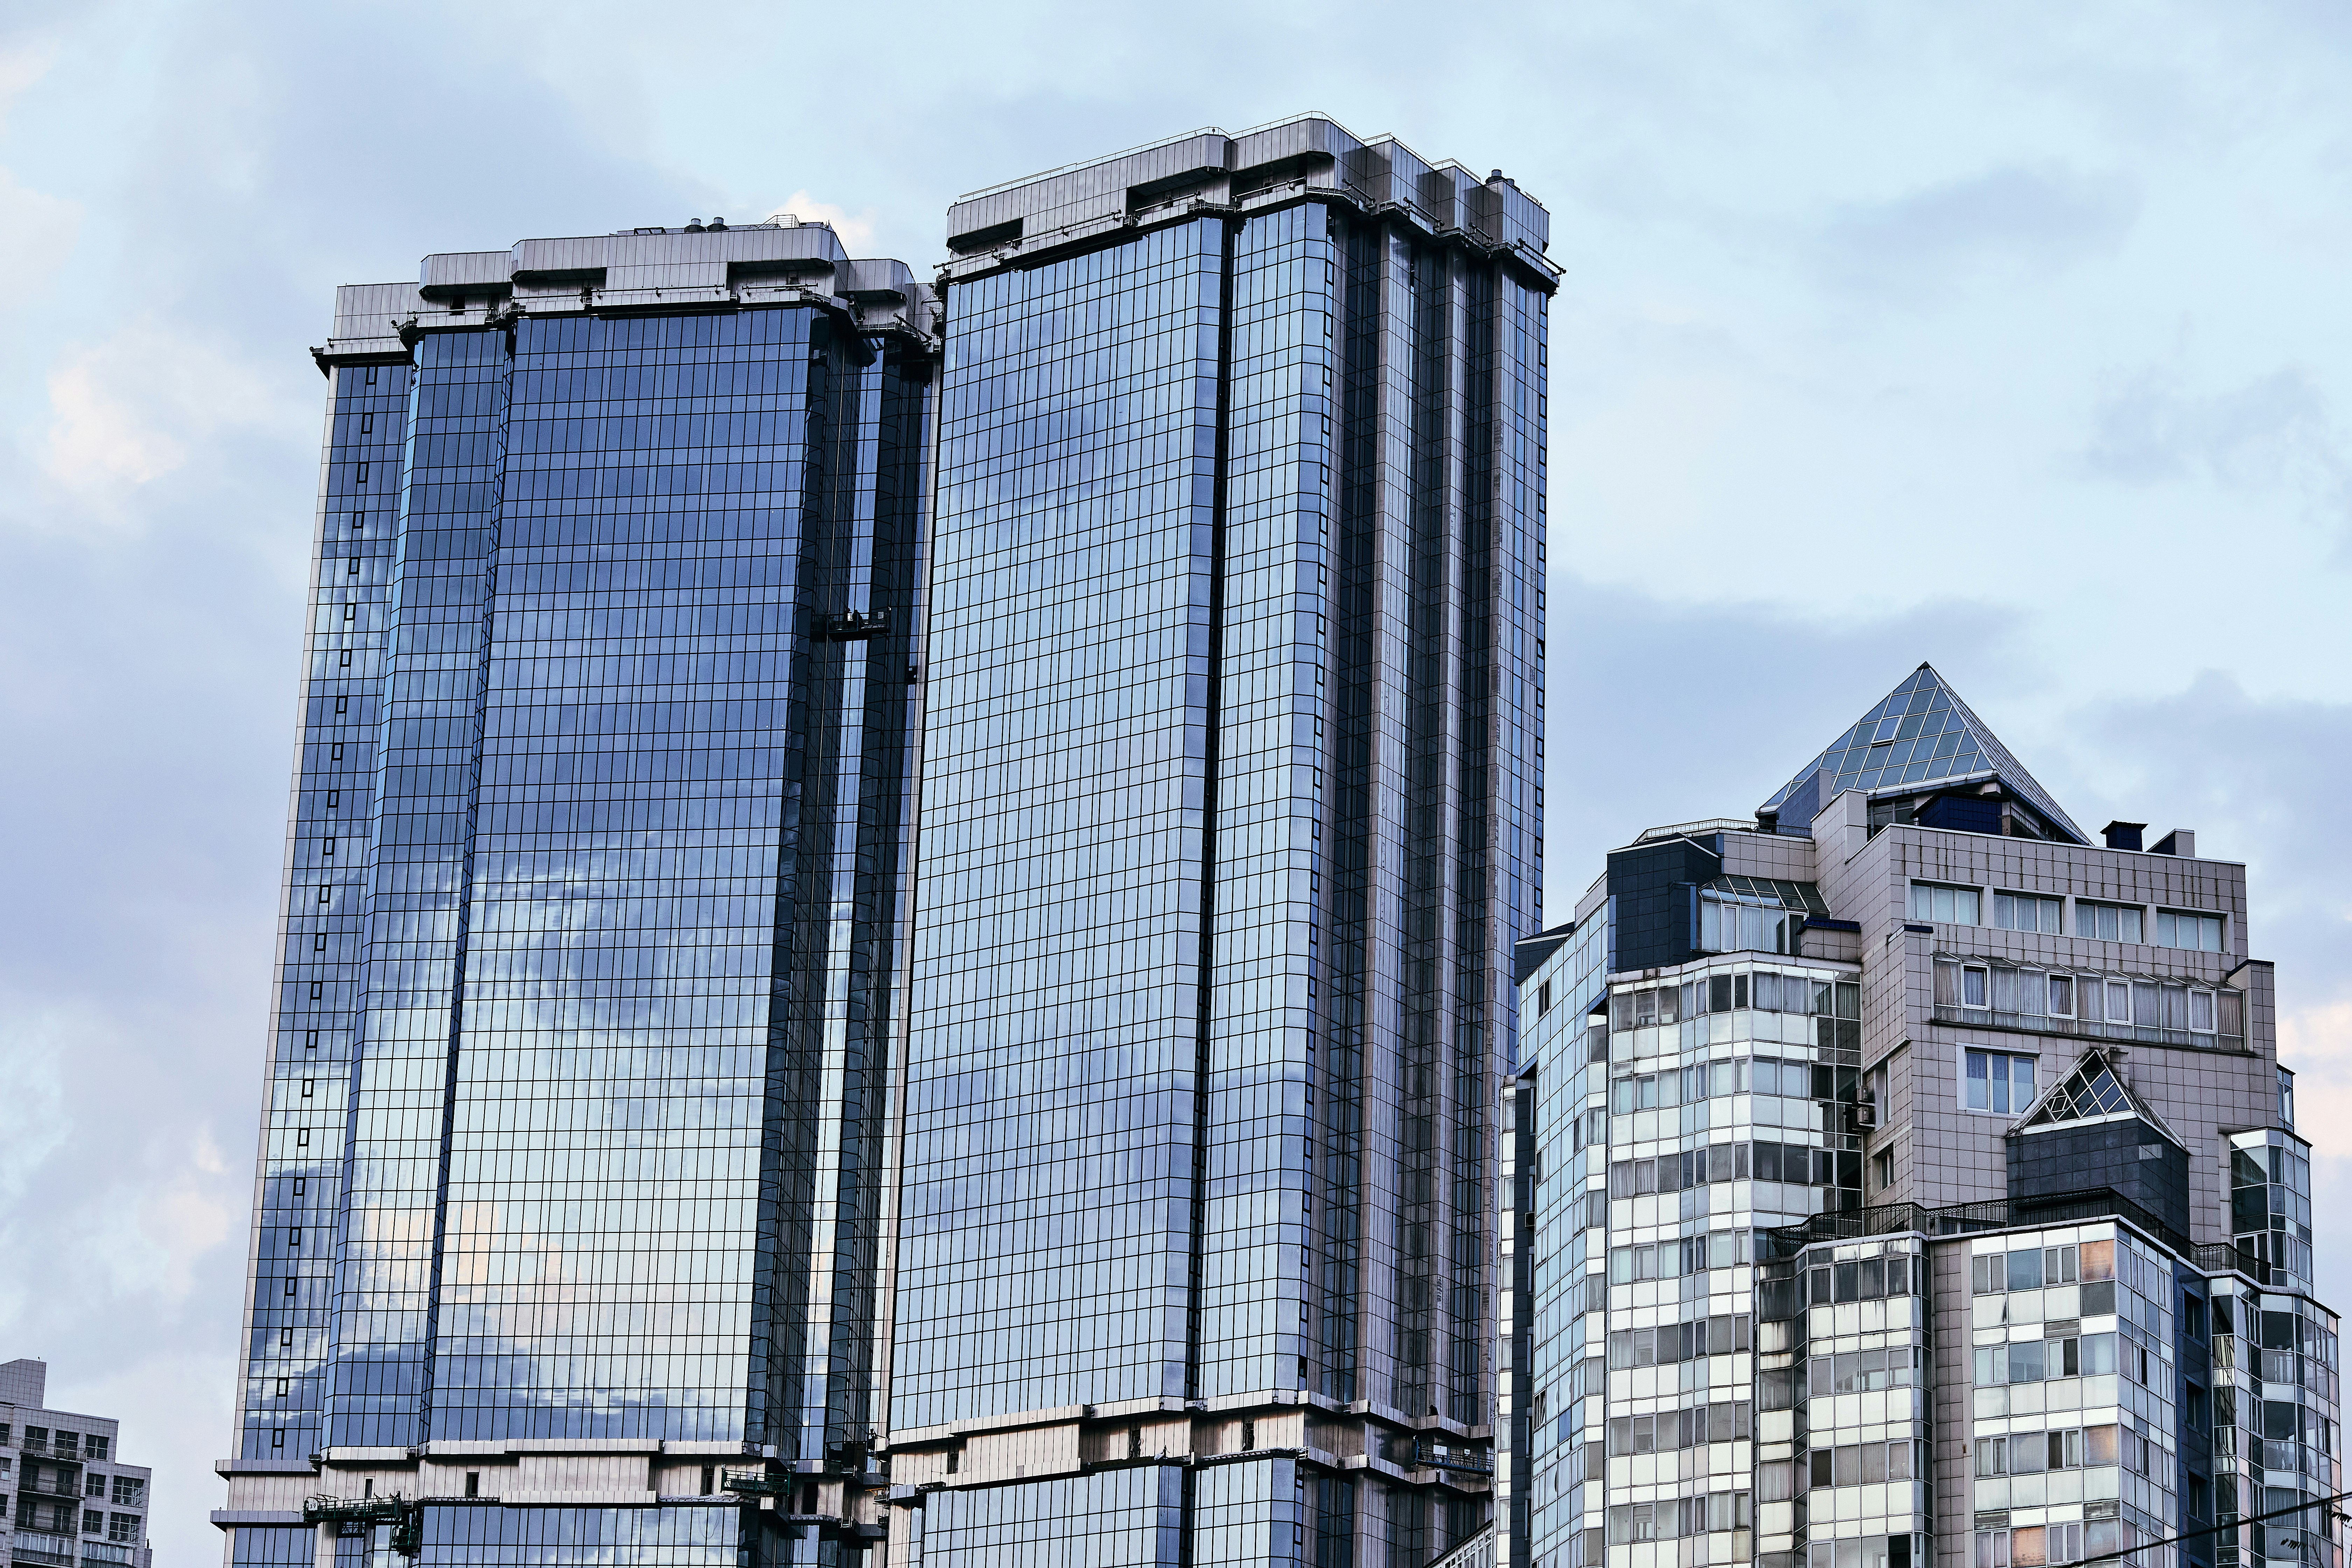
(2121, 909)
(1960, 1064)
(2108, 986)
(2221, 929)
(1983, 974)
(2211, 1024)
(2034, 899)
(1974, 895)
(2073, 991)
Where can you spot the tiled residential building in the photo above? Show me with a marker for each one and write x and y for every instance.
(66, 1498)
(1906, 1175)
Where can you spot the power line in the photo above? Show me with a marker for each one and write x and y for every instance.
(2211, 1529)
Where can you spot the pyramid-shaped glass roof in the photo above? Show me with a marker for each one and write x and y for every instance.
(1920, 735)
(2091, 1091)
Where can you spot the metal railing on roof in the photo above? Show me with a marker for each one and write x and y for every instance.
(1699, 828)
(1995, 1214)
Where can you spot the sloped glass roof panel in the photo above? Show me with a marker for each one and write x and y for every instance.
(1803, 897)
(2090, 1091)
(1919, 733)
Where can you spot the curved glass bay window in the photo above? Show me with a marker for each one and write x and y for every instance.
(2270, 1202)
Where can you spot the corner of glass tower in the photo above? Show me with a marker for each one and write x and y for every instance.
(1899, 1172)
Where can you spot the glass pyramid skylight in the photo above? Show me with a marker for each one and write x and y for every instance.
(1921, 733)
(2091, 1092)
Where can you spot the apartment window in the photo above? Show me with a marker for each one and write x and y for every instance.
(122, 1527)
(2026, 912)
(2108, 923)
(1946, 905)
(93, 1484)
(1975, 986)
(1543, 999)
(1996, 1081)
(2183, 928)
(95, 1448)
(2062, 996)
(2118, 1003)
(93, 1522)
(1882, 1169)
(2200, 1012)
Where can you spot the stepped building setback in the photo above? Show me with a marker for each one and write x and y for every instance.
(1902, 1176)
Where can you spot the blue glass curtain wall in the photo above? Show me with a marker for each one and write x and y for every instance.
(1235, 670)
(581, 1101)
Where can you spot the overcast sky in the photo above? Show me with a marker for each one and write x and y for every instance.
(2009, 336)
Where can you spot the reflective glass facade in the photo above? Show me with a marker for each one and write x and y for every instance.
(595, 946)
(1229, 824)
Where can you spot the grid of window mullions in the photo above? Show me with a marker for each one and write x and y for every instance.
(1057, 945)
(424, 760)
(284, 1342)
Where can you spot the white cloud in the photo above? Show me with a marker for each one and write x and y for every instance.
(20, 68)
(36, 234)
(2009, 221)
(32, 1121)
(37, 230)
(33, 1126)
(153, 1229)
(131, 409)
(856, 230)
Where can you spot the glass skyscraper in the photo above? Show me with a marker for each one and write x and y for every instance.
(1900, 1175)
(1230, 819)
(670, 1154)
(574, 1170)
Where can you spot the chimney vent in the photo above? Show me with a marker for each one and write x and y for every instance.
(2181, 841)
(2125, 835)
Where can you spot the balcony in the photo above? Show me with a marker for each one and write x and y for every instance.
(2083, 1029)
(54, 1550)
